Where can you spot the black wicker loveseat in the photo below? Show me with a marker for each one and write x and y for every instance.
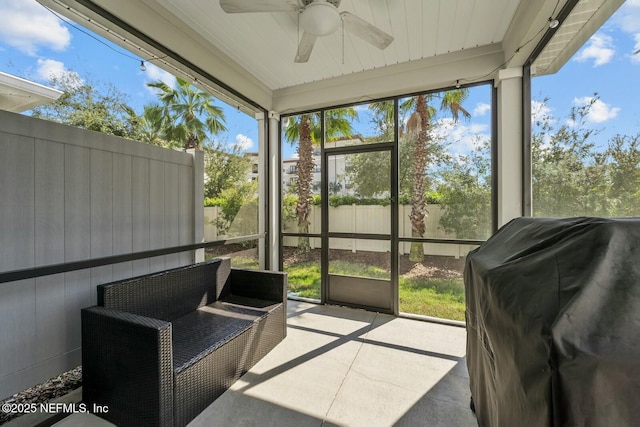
(159, 348)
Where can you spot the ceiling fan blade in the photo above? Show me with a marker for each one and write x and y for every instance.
(367, 32)
(247, 6)
(305, 47)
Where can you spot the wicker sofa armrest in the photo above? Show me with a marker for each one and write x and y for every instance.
(261, 284)
(127, 366)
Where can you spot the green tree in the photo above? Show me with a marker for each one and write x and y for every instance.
(152, 125)
(90, 105)
(624, 170)
(305, 129)
(188, 115)
(573, 175)
(569, 176)
(465, 190)
(225, 168)
(369, 173)
(238, 210)
(419, 127)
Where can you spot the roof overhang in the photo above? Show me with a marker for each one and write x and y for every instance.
(577, 27)
(18, 95)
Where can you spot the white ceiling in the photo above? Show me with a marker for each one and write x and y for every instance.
(265, 43)
(436, 43)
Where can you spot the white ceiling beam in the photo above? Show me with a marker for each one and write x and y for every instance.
(526, 29)
(441, 71)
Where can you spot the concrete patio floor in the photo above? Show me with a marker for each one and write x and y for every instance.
(346, 367)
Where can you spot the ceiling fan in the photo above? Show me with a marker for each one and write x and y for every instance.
(318, 18)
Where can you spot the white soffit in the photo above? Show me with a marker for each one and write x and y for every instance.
(583, 21)
(18, 95)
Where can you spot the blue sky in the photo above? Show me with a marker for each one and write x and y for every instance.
(35, 44)
(606, 65)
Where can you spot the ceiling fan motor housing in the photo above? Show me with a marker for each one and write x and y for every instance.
(320, 18)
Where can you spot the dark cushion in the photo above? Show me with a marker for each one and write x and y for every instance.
(200, 332)
(265, 306)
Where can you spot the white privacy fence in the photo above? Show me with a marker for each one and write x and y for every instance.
(68, 195)
(372, 219)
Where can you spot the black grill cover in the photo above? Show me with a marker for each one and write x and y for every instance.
(553, 323)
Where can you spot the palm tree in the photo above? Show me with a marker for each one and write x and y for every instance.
(152, 125)
(419, 130)
(306, 130)
(189, 114)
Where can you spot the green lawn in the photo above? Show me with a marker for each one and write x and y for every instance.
(304, 279)
(437, 297)
(239, 262)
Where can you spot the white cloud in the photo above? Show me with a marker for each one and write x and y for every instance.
(28, 26)
(155, 73)
(539, 110)
(244, 142)
(628, 17)
(635, 57)
(50, 69)
(599, 48)
(481, 109)
(599, 111)
(462, 138)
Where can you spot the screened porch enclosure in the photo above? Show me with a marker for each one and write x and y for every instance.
(395, 200)
(375, 174)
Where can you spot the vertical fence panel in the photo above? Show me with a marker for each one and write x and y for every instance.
(17, 202)
(101, 216)
(17, 251)
(122, 215)
(77, 237)
(210, 228)
(156, 212)
(49, 245)
(140, 212)
(185, 211)
(171, 213)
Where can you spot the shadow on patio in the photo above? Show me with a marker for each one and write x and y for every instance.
(345, 367)
(340, 366)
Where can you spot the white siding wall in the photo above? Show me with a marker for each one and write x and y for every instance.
(68, 195)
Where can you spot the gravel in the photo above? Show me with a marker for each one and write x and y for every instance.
(41, 393)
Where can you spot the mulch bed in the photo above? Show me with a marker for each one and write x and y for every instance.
(432, 266)
(41, 393)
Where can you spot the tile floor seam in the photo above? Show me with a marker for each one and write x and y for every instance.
(362, 343)
(376, 380)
